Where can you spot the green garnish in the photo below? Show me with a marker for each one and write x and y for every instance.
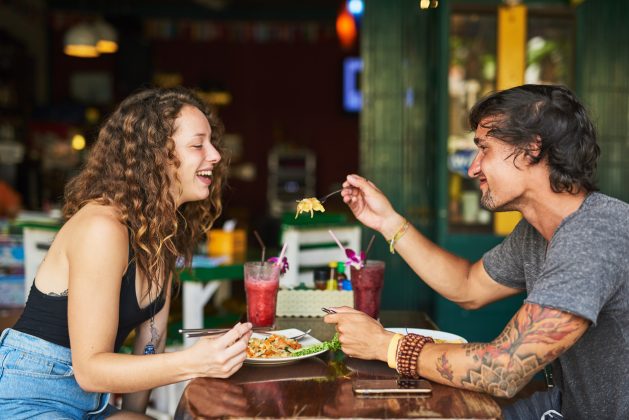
(333, 344)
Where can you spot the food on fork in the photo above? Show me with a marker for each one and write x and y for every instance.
(311, 205)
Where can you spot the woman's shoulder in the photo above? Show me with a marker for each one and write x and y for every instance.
(97, 222)
(93, 235)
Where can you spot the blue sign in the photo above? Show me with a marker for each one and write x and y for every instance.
(460, 161)
(352, 97)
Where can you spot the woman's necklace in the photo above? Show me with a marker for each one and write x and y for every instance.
(150, 347)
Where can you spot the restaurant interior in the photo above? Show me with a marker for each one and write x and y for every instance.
(309, 91)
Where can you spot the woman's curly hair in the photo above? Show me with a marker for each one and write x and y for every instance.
(127, 169)
(555, 116)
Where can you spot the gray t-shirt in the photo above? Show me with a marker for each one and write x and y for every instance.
(584, 271)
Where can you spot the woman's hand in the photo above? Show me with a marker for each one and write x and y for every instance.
(369, 205)
(360, 335)
(222, 356)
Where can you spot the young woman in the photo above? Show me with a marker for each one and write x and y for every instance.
(150, 189)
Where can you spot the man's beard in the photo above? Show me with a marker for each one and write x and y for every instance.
(488, 203)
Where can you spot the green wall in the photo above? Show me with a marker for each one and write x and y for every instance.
(603, 85)
(402, 141)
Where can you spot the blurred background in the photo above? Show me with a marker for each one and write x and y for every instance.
(310, 91)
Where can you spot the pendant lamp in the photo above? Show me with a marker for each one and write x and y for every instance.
(107, 37)
(80, 41)
(425, 4)
(91, 39)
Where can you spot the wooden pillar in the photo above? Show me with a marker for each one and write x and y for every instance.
(397, 144)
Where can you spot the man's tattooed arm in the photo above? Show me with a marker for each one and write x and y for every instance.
(534, 337)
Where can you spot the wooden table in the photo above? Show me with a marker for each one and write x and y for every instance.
(322, 387)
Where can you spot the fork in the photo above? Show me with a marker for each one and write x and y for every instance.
(325, 197)
(297, 337)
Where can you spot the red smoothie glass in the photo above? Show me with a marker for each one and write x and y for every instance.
(262, 280)
(367, 284)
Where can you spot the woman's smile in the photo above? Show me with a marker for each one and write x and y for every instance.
(205, 176)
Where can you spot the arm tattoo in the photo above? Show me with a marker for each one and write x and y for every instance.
(502, 367)
(64, 293)
(444, 368)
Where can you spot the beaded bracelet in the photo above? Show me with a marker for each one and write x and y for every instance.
(414, 367)
(405, 354)
(397, 236)
(392, 351)
(408, 355)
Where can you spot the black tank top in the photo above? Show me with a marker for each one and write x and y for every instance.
(46, 316)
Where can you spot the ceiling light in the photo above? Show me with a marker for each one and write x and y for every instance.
(425, 4)
(80, 41)
(355, 7)
(78, 142)
(346, 28)
(107, 37)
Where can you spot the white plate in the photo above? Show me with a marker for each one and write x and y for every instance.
(307, 340)
(430, 333)
(313, 368)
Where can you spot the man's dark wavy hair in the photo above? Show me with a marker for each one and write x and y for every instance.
(568, 139)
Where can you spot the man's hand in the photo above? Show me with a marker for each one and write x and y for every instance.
(360, 335)
(370, 206)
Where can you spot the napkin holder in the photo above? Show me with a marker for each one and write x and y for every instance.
(309, 302)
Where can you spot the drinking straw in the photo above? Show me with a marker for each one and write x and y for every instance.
(337, 241)
(279, 260)
(369, 246)
(255, 232)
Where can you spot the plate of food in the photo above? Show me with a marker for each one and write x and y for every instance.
(438, 336)
(278, 348)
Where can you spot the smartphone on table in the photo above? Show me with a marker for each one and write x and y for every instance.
(392, 386)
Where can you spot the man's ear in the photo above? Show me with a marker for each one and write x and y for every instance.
(535, 149)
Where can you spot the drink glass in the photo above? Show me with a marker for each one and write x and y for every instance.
(262, 280)
(367, 284)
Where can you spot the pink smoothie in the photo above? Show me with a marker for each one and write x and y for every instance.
(367, 284)
(261, 287)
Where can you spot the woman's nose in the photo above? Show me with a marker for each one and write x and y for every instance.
(213, 155)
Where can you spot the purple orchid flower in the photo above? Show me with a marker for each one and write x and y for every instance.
(276, 260)
(355, 260)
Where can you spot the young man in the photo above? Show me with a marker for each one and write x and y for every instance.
(537, 154)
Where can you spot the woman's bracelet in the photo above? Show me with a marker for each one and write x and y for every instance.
(408, 355)
(392, 351)
(397, 236)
